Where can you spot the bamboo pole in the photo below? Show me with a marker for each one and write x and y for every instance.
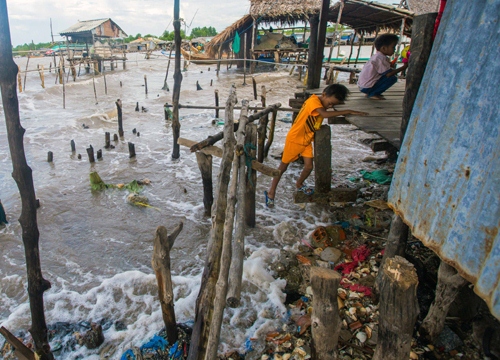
(26, 72)
(252, 47)
(238, 244)
(176, 125)
(245, 59)
(339, 17)
(222, 282)
(61, 61)
(270, 138)
(165, 85)
(160, 261)
(23, 176)
(359, 49)
(262, 129)
(93, 82)
(205, 302)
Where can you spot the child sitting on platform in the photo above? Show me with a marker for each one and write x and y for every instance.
(378, 75)
(301, 135)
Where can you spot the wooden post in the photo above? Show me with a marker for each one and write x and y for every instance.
(401, 33)
(270, 137)
(107, 140)
(376, 35)
(262, 129)
(42, 76)
(165, 85)
(398, 309)
(205, 302)
(61, 69)
(325, 319)
(218, 62)
(245, 59)
(90, 153)
(120, 120)
(50, 156)
(216, 103)
(23, 176)
(339, 17)
(205, 166)
(421, 45)
(115, 137)
(251, 179)
(448, 286)
(312, 54)
(359, 50)
(131, 150)
(73, 147)
(176, 125)
(105, 83)
(238, 245)
(352, 45)
(161, 265)
(93, 82)
(99, 154)
(254, 89)
(323, 159)
(226, 256)
(26, 72)
(145, 84)
(252, 48)
(19, 81)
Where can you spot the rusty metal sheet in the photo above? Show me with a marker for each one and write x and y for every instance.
(446, 184)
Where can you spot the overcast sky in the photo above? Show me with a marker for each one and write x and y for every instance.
(30, 20)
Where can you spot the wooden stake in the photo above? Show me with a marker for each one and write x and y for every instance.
(205, 302)
(105, 83)
(99, 154)
(448, 286)
(323, 159)
(176, 125)
(93, 82)
(120, 120)
(398, 309)
(23, 177)
(90, 153)
(73, 147)
(216, 103)
(205, 166)
(270, 137)
(161, 265)
(222, 282)
(325, 319)
(255, 89)
(262, 129)
(245, 59)
(131, 150)
(146, 84)
(107, 140)
(19, 81)
(115, 137)
(50, 156)
(251, 177)
(42, 76)
(26, 72)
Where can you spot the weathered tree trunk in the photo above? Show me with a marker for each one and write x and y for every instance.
(176, 125)
(323, 159)
(161, 265)
(222, 282)
(120, 118)
(205, 166)
(206, 296)
(262, 129)
(448, 286)
(238, 245)
(421, 46)
(270, 137)
(251, 179)
(398, 309)
(311, 57)
(325, 319)
(23, 176)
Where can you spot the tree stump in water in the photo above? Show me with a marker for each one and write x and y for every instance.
(398, 309)
(205, 166)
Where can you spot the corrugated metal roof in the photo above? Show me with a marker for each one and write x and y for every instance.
(83, 26)
(446, 184)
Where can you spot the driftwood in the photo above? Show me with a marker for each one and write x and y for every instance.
(214, 138)
(325, 319)
(222, 282)
(323, 159)
(448, 286)
(205, 301)
(217, 151)
(23, 176)
(205, 166)
(238, 245)
(161, 265)
(251, 179)
(176, 125)
(398, 309)
(20, 350)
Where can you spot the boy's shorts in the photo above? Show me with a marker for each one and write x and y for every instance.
(292, 151)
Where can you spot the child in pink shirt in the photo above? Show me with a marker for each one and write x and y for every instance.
(378, 75)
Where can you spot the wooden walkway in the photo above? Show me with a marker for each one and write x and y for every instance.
(384, 116)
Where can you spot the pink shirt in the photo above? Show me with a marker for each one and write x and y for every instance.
(373, 70)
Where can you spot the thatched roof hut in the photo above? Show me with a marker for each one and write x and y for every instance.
(224, 38)
(284, 11)
(423, 6)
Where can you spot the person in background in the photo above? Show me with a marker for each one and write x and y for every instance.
(377, 75)
(301, 135)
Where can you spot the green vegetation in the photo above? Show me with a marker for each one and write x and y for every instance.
(203, 32)
(33, 46)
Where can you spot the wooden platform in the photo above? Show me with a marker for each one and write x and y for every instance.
(384, 116)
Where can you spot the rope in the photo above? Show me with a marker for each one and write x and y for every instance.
(248, 159)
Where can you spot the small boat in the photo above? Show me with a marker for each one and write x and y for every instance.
(203, 59)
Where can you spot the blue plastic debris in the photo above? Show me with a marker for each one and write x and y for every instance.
(128, 355)
(157, 342)
(248, 345)
(304, 299)
(173, 349)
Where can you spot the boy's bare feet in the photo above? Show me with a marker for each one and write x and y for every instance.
(377, 97)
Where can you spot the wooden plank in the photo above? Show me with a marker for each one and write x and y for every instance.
(334, 195)
(20, 350)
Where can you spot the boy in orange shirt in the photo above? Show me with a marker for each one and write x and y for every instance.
(301, 135)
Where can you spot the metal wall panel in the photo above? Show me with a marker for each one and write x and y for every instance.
(446, 184)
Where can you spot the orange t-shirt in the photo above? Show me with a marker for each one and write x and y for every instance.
(307, 122)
